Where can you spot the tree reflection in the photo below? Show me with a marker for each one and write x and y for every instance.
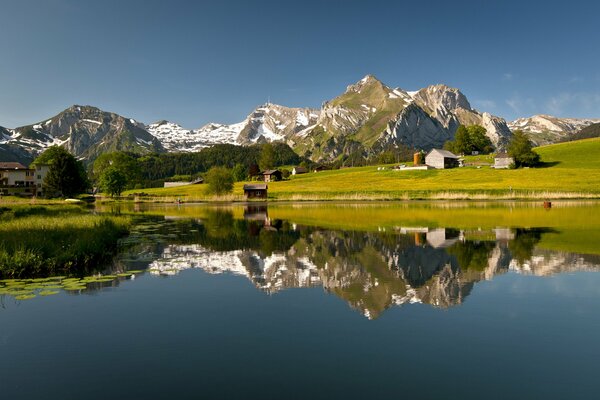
(370, 270)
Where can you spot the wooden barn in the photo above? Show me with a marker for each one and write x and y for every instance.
(503, 160)
(299, 170)
(441, 159)
(258, 191)
(272, 175)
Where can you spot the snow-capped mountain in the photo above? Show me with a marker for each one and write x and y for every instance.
(546, 129)
(369, 117)
(267, 123)
(84, 130)
(178, 139)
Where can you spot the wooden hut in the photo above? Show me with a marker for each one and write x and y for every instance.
(441, 159)
(272, 175)
(299, 170)
(258, 191)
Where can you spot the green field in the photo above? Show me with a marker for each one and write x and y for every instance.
(571, 170)
(40, 241)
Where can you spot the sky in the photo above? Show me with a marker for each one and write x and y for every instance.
(194, 62)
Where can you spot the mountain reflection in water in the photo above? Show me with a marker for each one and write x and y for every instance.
(370, 270)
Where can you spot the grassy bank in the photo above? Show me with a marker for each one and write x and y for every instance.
(38, 240)
(571, 170)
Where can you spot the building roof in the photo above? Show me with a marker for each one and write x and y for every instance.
(299, 169)
(502, 155)
(444, 153)
(12, 165)
(271, 172)
(256, 187)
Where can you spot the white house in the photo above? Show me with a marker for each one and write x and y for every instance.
(441, 159)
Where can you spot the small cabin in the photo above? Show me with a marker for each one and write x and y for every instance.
(441, 159)
(320, 168)
(272, 175)
(503, 160)
(255, 191)
(299, 170)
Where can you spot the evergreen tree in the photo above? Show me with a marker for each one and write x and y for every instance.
(267, 157)
(66, 176)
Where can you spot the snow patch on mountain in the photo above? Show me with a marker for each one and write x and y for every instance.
(546, 129)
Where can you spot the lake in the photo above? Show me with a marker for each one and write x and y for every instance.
(417, 300)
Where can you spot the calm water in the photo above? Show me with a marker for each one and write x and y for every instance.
(420, 300)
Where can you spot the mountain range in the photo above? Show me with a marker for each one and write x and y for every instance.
(369, 117)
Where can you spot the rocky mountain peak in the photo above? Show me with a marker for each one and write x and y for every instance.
(367, 82)
(440, 96)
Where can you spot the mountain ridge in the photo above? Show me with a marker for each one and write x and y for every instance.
(367, 118)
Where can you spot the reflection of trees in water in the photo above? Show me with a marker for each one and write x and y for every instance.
(521, 248)
(370, 270)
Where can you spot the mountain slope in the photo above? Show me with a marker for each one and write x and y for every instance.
(546, 129)
(86, 132)
(371, 117)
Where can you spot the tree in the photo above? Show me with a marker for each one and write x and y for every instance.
(521, 150)
(469, 139)
(267, 157)
(112, 181)
(124, 162)
(462, 142)
(239, 173)
(479, 140)
(66, 176)
(219, 180)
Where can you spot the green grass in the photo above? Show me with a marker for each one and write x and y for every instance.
(37, 241)
(572, 171)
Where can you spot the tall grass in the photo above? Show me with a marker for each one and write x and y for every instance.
(43, 241)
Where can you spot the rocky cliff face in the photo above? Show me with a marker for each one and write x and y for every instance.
(377, 117)
(272, 122)
(368, 117)
(86, 132)
(546, 129)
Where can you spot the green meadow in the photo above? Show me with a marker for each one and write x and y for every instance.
(570, 170)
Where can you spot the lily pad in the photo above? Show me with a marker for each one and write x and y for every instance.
(48, 292)
(25, 297)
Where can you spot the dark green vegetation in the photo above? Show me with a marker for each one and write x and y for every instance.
(592, 131)
(219, 181)
(40, 241)
(66, 177)
(113, 181)
(470, 139)
(521, 150)
(157, 168)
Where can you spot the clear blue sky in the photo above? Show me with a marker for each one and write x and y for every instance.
(193, 62)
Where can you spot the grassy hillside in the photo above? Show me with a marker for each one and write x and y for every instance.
(572, 170)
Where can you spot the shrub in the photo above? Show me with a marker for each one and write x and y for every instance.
(219, 181)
